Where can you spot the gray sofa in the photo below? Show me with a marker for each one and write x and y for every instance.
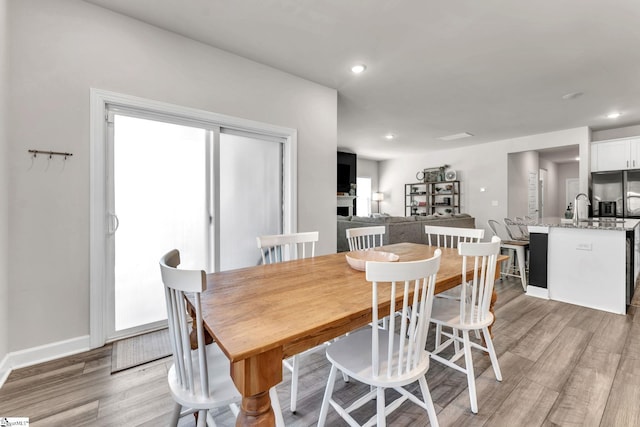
(399, 228)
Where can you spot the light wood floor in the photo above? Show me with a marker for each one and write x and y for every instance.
(561, 365)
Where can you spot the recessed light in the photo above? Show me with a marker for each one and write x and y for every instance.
(456, 136)
(577, 159)
(614, 115)
(390, 136)
(359, 68)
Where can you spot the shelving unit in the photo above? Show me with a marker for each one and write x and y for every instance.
(427, 198)
(416, 199)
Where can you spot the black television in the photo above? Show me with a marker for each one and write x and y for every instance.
(346, 171)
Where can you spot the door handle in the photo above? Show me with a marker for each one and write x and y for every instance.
(114, 224)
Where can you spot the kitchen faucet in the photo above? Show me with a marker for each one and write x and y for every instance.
(575, 207)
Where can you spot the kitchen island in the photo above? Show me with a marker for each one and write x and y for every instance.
(592, 263)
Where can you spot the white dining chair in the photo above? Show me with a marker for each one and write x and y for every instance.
(450, 237)
(386, 358)
(287, 247)
(365, 237)
(199, 379)
(469, 313)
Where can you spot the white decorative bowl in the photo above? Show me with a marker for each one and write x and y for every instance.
(358, 259)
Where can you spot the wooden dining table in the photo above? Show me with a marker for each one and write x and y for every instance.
(263, 314)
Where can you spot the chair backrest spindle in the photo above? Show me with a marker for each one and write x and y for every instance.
(474, 308)
(286, 247)
(451, 237)
(413, 284)
(176, 284)
(362, 238)
(513, 230)
(521, 223)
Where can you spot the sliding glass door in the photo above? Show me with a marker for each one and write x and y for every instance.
(205, 190)
(160, 202)
(250, 197)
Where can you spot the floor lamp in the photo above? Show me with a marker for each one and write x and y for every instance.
(377, 197)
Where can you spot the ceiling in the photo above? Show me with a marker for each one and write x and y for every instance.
(497, 69)
(564, 154)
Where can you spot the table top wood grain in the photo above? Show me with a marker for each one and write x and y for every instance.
(299, 304)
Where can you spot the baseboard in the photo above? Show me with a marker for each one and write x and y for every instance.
(535, 291)
(40, 354)
(5, 370)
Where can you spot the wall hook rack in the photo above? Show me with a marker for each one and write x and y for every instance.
(50, 153)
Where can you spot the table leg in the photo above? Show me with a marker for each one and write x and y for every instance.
(256, 411)
(193, 336)
(254, 377)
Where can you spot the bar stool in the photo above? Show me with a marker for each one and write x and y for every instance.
(518, 246)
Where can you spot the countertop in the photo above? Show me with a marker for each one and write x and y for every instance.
(622, 224)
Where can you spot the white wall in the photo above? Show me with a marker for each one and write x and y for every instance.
(62, 48)
(4, 191)
(565, 171)
(551, 208)
(369, 169)
(519, 166)
(479, 166)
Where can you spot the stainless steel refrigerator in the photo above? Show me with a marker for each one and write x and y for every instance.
(615, 194)
(632, 194)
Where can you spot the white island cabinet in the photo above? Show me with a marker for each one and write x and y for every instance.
(592, 264)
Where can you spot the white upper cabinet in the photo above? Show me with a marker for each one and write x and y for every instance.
(618, 154)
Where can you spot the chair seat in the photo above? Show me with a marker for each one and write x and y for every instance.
(352, 355)
(453, 293)
(447, 312)
(221, 387)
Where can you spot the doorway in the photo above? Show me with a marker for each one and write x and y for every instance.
(542, 196)
(536, 181)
